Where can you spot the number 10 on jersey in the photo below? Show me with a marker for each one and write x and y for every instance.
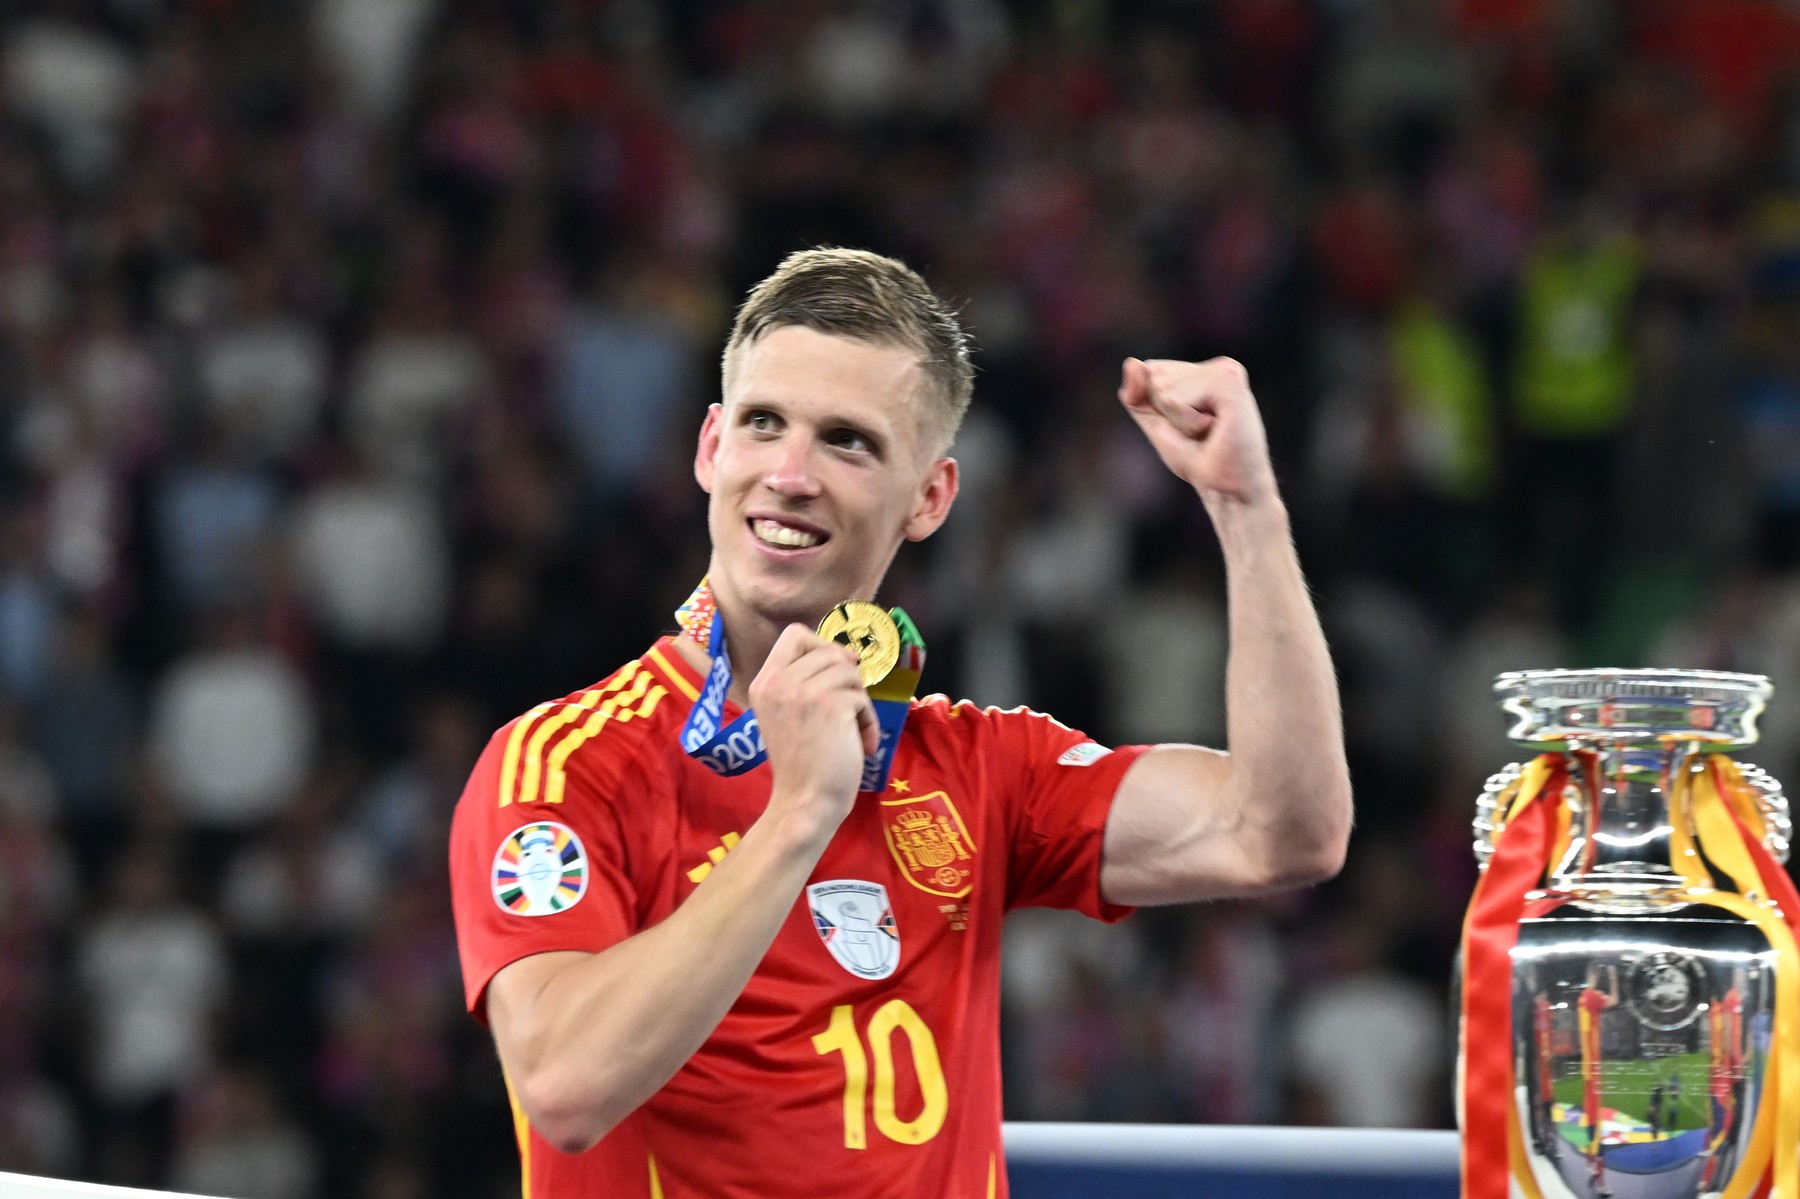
(896, 1015)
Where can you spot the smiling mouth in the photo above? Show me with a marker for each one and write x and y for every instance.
(784, 537)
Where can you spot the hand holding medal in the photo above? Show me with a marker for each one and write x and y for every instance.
(890, 658)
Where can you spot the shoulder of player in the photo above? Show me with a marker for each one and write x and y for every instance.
(599, 728)
(941, 712)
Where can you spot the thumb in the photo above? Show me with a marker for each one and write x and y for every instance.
(1134, 385)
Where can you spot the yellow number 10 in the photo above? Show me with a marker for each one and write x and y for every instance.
(896, 1015)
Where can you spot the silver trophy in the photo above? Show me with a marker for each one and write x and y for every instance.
(1642, 1020)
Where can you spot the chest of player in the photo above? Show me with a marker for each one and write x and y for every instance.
(912, 881)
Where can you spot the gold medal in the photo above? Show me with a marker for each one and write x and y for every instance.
(870, 631)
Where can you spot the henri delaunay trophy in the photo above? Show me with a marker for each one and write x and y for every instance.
(1630, 993)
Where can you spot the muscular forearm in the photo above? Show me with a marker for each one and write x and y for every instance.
(1288, 777)
(586, 1038)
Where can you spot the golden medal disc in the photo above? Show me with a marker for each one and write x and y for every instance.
(870, 631)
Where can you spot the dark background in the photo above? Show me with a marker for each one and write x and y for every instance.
(351, 354)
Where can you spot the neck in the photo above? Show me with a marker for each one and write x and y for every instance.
(749, 637)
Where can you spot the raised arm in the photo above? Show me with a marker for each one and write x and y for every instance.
(1190, 823)
(587, 1037)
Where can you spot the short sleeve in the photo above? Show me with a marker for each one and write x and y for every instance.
(528, 878)
(1065, 783)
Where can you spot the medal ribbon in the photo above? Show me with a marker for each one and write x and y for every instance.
(892, 696)
(1523, 843)
(736, 748)
(725, 749)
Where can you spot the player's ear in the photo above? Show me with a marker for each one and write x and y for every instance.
(706, 453)
(935, 498)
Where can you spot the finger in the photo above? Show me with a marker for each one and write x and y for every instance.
(802, 661)
(868, 726)
(1207, 386)
(823, 665)
(1145, 389)
(1134, 385)
(1218, 372)
(827, 650)
(797, 656)
(800, 644)
(1184, 395)
(793, 643)
(1161, 420)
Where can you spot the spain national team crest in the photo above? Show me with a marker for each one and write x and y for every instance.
(856, 922)
(540, 870)
(928, 839)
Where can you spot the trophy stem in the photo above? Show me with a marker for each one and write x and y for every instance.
(1626, 810)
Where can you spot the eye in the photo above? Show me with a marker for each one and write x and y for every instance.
(850, 439)
(759, 421)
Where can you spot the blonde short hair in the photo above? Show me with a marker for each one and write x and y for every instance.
(871, 298)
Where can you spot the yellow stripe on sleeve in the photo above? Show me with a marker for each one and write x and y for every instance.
(534, 748)
(509, 763)
(641, 702)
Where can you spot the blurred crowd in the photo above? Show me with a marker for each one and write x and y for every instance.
(351, 354)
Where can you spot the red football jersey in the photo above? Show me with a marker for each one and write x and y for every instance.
(863, 1056)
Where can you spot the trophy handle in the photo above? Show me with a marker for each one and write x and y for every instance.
(1778, 823)
(1487, 809)
(1771, 801)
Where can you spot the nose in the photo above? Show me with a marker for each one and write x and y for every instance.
(791, 473)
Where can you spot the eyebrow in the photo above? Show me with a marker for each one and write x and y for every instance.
(878, 442)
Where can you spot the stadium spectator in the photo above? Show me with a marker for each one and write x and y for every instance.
(152, 976)
(233, 729)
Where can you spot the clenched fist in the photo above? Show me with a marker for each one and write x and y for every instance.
(1203, 422)
(817, 722)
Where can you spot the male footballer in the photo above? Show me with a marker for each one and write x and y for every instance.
(733, 914)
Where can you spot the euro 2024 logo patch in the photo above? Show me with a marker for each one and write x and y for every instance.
(856, 922)
(540, 870)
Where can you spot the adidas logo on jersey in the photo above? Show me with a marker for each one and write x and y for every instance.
(716, 854)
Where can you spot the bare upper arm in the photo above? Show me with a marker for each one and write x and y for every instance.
(1174, 834)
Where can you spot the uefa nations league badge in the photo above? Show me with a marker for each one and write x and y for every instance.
(856, 923)
(540, 870)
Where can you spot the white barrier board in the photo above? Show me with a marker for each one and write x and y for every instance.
(1336, 1150)
(1238, 1147)
(21, 1186)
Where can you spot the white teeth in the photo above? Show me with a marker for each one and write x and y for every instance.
(775, 533)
